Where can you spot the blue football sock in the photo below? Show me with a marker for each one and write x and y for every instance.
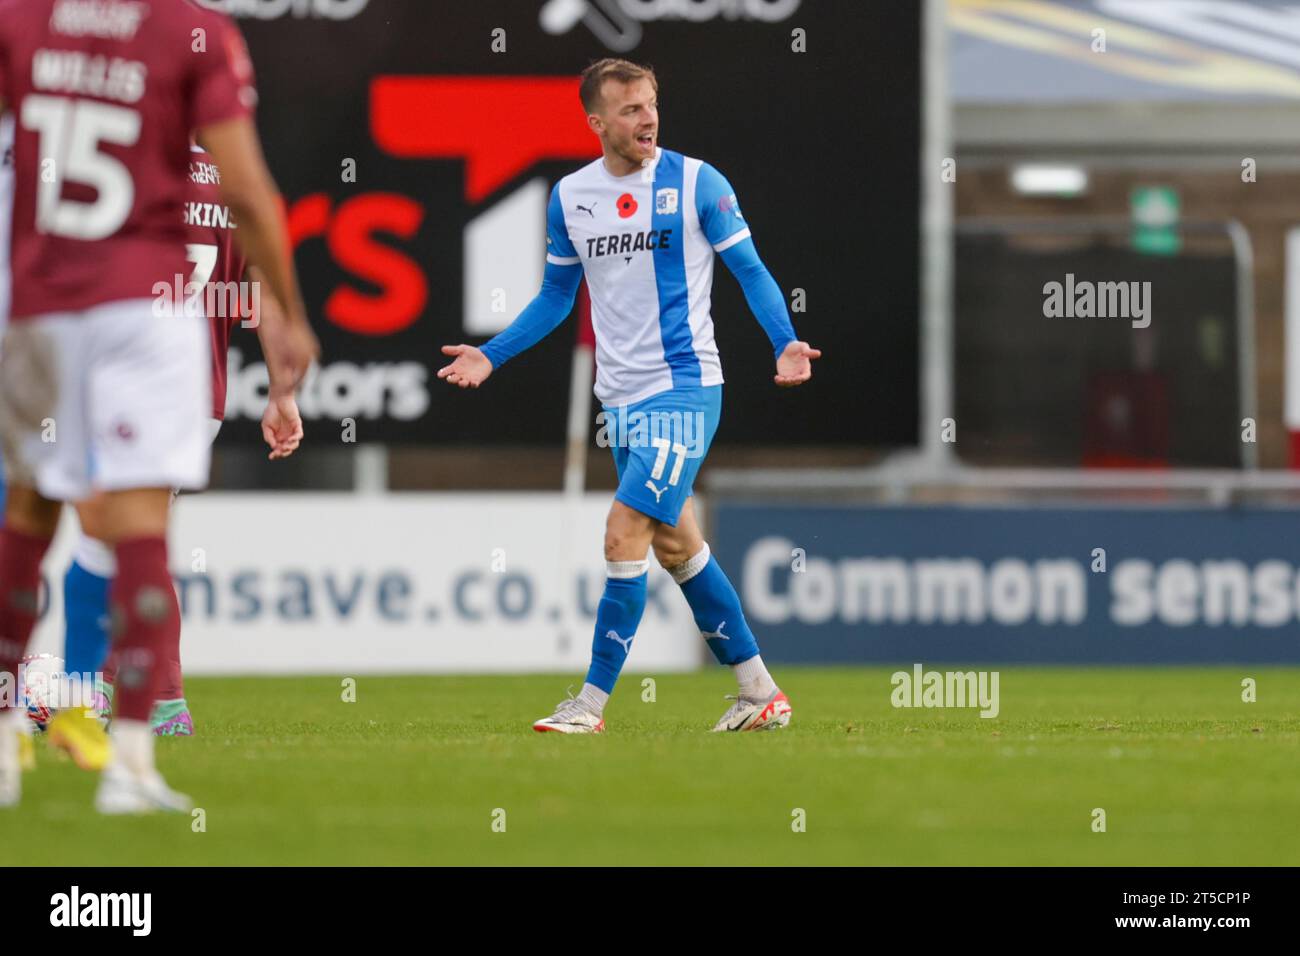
(617, 617)
(85, 609)
(718, 615)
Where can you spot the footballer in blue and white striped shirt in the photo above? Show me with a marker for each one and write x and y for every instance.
(643, 223)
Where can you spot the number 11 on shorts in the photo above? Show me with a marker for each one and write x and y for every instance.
(662, 459)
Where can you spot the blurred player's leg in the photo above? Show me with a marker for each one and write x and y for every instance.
(685, 555)
(85, 606)
(627, 536)
(144, 604)
(150, 392)
(30, 522)
(39, 388)
(25, 748)
(85, 601)
(77, 729)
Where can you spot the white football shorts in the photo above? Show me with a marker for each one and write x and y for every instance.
(106, 399)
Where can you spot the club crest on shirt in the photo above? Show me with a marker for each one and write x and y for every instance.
(666, 201)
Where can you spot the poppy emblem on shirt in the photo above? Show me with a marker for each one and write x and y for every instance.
(626, 206)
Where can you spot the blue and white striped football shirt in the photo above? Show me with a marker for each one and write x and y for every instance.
(646, 243)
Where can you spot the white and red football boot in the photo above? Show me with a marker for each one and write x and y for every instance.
(749, 713)
(571, 717)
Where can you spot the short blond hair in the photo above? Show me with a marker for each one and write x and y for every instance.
(611, 68)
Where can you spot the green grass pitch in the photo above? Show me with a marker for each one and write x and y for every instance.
(416, 770)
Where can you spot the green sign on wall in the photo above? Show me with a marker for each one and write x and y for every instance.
(1155, 211)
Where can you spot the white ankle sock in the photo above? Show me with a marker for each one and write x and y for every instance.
(593, 698)
(753, 678)
(133, 744)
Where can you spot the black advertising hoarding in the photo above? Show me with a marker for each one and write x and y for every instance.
(416, 141)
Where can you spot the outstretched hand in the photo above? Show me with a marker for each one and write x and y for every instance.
(470, 369)
(794, 365)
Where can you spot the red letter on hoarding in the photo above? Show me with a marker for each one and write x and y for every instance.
(499, 125)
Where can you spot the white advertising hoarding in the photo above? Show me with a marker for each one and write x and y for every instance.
(298, 583)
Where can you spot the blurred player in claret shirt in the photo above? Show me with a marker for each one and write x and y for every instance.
(234, 296)
(109, 92)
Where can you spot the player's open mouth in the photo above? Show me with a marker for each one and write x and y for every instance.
(646, 139)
